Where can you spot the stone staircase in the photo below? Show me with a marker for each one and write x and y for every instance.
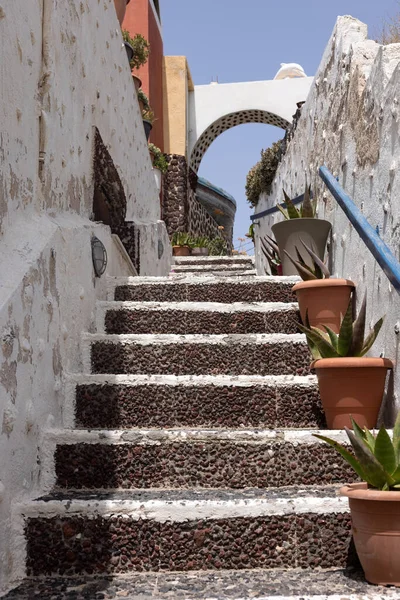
(187, 468)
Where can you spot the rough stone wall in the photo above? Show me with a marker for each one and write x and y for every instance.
(181, 209)
(351, 123)
(64, 74)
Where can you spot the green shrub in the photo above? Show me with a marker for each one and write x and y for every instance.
(141, 49)
(160, 161)
(261, 176)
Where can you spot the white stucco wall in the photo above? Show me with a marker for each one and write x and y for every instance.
(64, 71)
(350, 122)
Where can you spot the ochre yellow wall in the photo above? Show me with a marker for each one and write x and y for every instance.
(177, 82)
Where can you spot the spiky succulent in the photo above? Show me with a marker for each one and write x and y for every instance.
(350, 340)
(319, 270)
(180, 238)
(376, 459)
(201, 242)
(307, 209)
(270, 249)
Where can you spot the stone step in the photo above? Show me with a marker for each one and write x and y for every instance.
(210, 271)
(194, 318)
(125, 401)
(214, 260)
(260, 584)
(80, 533)
(195, 458)
(259, 354)
(184, 288)
(199, 269)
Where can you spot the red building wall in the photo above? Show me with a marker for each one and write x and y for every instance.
(140, 18)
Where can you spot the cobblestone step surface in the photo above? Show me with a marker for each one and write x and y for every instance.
(195, 458)
(260, 584)
(259, 354)
(184, 288)
(74, 534)
(194, 318)
(125, 401)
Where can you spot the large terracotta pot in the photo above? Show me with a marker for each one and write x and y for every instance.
(120, 9)
(351, 386)
(288, 235)
(181, 250)
(137, 82)
(325, 300)
(375, 519)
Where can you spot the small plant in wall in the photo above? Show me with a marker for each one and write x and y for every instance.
(374, 504)
(349, 383)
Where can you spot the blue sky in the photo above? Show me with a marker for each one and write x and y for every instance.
(247, 41)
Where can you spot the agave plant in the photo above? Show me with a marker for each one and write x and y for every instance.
(270, 249)
(377, 458)
(319, 270)
(307, 209)
(180, 238)
(201, 242)
(350, 341)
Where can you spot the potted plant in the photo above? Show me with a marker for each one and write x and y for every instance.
(141, 50)
(200, 246)
(270, 250)
(120, 9)
(349, 382)
(375, 503)
(181, 244)
(143, 101)
(217, 247)
(148, 120)
(300, 224)
(160, 164)
(324, 298)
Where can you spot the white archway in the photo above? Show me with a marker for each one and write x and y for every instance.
(215, 108)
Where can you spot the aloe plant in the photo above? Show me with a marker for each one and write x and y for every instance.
(307, 209)
(319, 270)
(376, 459)
(180, 238)
(270, 249)
(350, 341)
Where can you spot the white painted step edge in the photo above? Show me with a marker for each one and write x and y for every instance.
(185, 510)
(218, 259)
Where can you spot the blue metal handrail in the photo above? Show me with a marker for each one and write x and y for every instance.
(274, 209)
(380, 251)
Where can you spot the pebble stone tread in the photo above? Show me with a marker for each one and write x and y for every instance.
(220, 291)
(203, 322)
(117, 543)
(206, 464)
(206, 585)
(238, 355)
(122, 406)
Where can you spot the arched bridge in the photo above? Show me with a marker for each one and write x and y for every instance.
(215, 108)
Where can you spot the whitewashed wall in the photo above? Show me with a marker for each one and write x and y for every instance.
(64, 71)
(351, 122)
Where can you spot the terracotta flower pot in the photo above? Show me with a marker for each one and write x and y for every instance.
(326, 301)
(351, 386)
(181, 250)
(288, 235)
(137, 82)
(120, 9)
(375, 519)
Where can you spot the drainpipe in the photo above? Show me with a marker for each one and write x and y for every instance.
(44, 85)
